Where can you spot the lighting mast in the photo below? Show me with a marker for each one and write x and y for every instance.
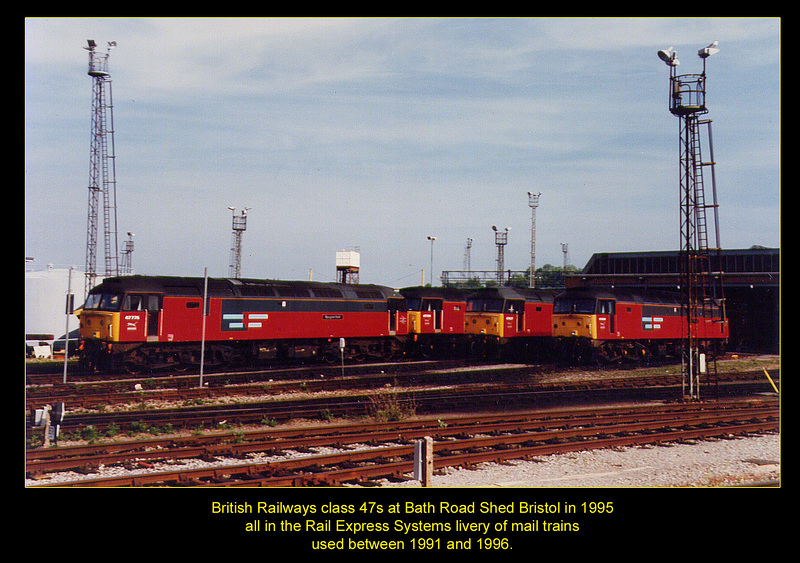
(533, 202)
(431, 238)
(699, 284)
(500, 240)
(102, 169)
(239, 227)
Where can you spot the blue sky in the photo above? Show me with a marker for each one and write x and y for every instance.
(377, 133)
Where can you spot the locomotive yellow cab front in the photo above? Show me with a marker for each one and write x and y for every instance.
(490, 324)
(99, 317)
(99, 326)
(575, 326)
(577, 317)
(422, 322)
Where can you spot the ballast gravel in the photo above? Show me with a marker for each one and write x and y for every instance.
(743, 461)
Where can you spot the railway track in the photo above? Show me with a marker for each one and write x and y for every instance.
(368, 452)
(421, 400)
(51, 374)
(91, 395)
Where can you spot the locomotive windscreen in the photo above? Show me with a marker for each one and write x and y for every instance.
(566, 306)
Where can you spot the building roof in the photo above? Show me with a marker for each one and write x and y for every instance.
(752, 266)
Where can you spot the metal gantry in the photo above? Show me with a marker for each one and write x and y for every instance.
(701, 287)
(102, 169)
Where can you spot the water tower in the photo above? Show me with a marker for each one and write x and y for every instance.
(348, 263)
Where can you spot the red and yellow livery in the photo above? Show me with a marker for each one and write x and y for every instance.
(617, 324)
(511, 320)
(141, 321)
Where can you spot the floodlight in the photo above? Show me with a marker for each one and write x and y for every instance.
(669, 56)
(706, 52)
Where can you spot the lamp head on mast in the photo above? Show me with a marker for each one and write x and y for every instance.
(706, 52)
(669, 56)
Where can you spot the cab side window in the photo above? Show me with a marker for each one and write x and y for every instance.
(133, 302)
(606, 307)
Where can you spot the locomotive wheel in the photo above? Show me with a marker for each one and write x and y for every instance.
(181, 365)
(396, 354)
(331, 355)
(392, 352)
(134, 363)
(132, 368)
(357, 354)
(609, 354)
(427, 350)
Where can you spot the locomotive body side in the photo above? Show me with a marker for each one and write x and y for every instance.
(158, 321)
(436, 318)
(510, 321)
(614, 324)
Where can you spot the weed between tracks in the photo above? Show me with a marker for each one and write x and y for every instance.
(389, 408)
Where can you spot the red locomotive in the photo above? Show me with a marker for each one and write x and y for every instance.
(513, 322)
(160, 322)
(137, 322)
(613, 324)
(436, 320)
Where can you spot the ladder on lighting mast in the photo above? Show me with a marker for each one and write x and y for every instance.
(701, 286)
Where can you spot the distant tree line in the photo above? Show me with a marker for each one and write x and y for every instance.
(548, 276)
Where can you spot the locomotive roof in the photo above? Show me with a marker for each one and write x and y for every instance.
(446, 293)
(621, 295)
(231, 287)
(528, 294)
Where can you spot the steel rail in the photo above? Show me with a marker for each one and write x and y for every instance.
(447, 399)
(238, 445)
(486, 448)
(166, 389)
(449, 421)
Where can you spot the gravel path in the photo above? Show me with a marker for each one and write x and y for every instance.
(703, 464)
